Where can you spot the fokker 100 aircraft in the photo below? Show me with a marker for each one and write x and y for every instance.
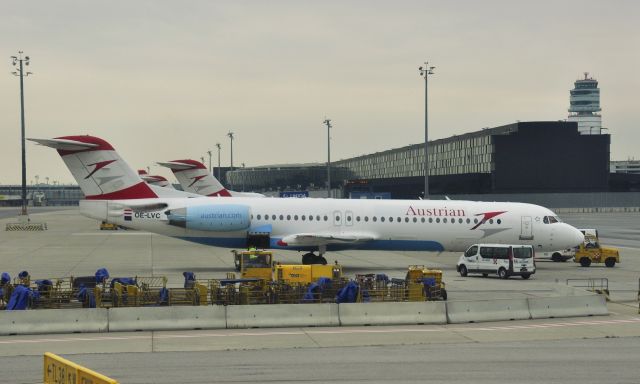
(116, 194)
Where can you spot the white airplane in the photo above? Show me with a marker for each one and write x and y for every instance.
(194, 177)
(158, 180)
(116, 194)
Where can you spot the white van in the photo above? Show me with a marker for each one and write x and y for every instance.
(503, 260)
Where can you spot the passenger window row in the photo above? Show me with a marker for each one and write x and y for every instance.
(374, 219)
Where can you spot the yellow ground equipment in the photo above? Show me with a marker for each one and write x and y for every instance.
(424, 284)
(259, 264)
(592, 252)
(108, 226)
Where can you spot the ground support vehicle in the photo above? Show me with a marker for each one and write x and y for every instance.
(108, 226)
(501, 259)
(592, 252)
(259, 264)
(425, 284)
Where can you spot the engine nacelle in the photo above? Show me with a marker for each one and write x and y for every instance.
(217, 218)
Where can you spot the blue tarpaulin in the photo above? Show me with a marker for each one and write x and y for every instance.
(348, 294)
(86, 296)
(163, 298)
(313, 292)
(101, 275)
(19, 298)
(189, 279)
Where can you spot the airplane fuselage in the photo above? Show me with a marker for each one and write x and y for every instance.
(409, 225)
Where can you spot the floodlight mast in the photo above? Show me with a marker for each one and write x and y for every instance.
(425, 72)
(219, 172)
(327, 122)
(231, 136)
(19, 62)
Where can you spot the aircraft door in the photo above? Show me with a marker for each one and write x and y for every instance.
(337, 218)
(348, 218)
(526, 228)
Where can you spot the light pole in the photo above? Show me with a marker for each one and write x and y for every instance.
(18, 62)
(243, 177)
(230, 134)
(202, 159)
(425, 72)
(219, 147)
(210, 170)
(327, 122)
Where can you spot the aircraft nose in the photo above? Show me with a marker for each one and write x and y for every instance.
(575, 236)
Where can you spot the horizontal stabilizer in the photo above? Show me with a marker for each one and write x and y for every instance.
(178, 166)
(64, 144)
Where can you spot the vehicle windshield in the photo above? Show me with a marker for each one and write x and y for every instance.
(252, 260)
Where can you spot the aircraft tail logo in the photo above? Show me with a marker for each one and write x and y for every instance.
(486, 217)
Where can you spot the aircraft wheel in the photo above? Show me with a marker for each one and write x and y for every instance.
(557, 257)
(308, 258)
(585, 262)
(610, 262)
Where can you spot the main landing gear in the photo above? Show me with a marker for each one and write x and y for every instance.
(312, 258)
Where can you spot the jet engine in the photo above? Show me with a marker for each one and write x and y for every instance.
(217, 218)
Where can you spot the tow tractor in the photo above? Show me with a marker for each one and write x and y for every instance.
(259, 264)
(592, 252)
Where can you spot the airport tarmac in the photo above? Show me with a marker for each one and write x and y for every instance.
(74, 245)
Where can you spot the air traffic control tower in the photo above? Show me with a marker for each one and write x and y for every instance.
(584, 104)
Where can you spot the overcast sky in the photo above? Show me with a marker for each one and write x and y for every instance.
(164, 80)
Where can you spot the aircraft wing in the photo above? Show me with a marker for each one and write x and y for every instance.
(313, 239)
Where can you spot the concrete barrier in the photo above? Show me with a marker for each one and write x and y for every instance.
(571, 306)
(53, 321)
(487, 310)
(282, 315)
(386, 313)
(166, 318)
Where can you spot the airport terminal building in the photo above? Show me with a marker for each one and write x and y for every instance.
(524, 157)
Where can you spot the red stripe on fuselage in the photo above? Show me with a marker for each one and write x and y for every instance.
(138, 191)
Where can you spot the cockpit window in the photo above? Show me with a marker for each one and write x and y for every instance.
(551, 219)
